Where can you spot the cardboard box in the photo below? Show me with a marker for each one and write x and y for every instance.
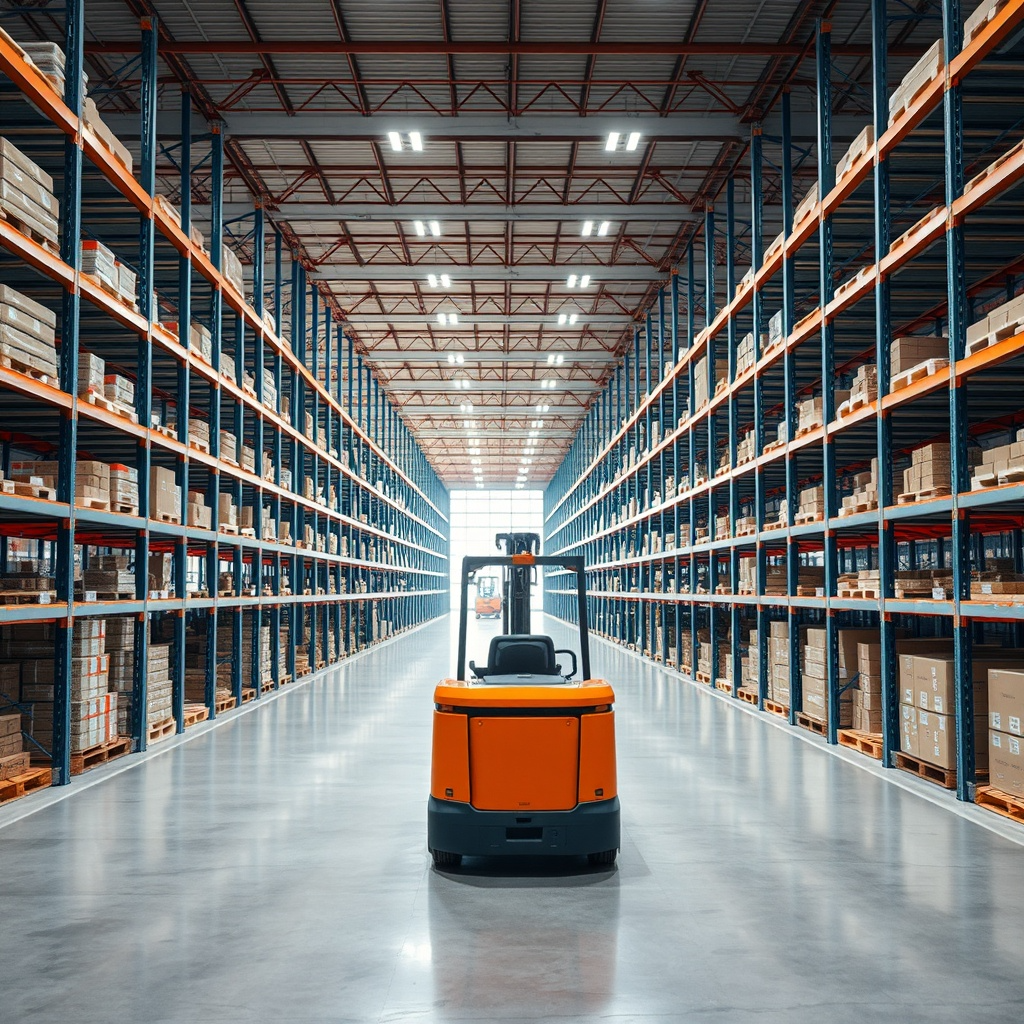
(164, 495)
(1006, 763)
(1006, 700)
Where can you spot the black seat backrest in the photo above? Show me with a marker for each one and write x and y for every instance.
(520, 654)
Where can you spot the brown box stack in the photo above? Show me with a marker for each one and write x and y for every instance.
(164, 495)
(929, 469)
(199, 514)
(119, 389)
(227, 512)
(906, 353)
(124, 488)
(14, 759)
(109, 576)
(27, 332)
(26, 193)
(91, 375)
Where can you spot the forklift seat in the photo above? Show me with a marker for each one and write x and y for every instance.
(521, 655)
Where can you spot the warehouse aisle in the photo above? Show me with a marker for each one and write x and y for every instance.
(274, 869)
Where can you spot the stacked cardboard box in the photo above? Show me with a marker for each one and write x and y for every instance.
(231, 267)
(269, 390)
(863, 390)
(864, 495)
(1005, 715)
(159, 698)
(993, 465)
(199, 514)
(915, 80)
(928, 471)
(109, 576)
(14, 759)
(227, 365)
(27, 332)
(700, 379)
(812, 503)
(120, 644)
(92, 479)
(778, 662)
(107, 137)
(248, 458)
(26, 194)
(228, 446)
(815, 672)
(91, 375)
(119, 389)
(160, 566)
(928, 705)
(49, 59)
(164, 495)
(909, 353)
(857, 148)
(867, 697)
(227, 514)
(124, 489)
(99, 262)
(775, 329)
(225, 636)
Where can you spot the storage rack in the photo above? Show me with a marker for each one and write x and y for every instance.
(655, 462)
(333, 462)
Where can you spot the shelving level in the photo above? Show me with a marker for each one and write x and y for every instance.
(205, 494)
(810, 496)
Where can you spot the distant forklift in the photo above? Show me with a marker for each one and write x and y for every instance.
(517, 580)
(488, 598)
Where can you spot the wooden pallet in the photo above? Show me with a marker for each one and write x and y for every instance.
(945, 777)
(776, 708)
(166, 517)
(37, 236)
(248, 694)
(860, 593)
(101, 753)
(866, 506)
(227, 528)
(124, 509)
(991, 799)
(811, 724)
(222, 704)
(928, 494)
(28, 596)
(96, 504)
(323, 664)
(92, 397)
(11, 360)
(266, 686)
(865, 742)
(916, 373)
(702, 677)
(202, 446)
(24, 783)
(724, 685)
(195, 713)
(802, 518)
(161, 730)
(750, 696)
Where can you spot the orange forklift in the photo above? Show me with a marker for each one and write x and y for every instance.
(523, 758)
(488, 600)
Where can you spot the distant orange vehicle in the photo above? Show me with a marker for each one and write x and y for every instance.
(488, 597)
(523, 757)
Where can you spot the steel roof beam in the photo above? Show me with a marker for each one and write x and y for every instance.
(524, 212)
(544, 47)
(317, 124)
(439, 357)
(350, 273)
(436, 386)
(468, 321)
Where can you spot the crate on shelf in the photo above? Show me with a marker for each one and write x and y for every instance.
(26, 197)
(27, 335)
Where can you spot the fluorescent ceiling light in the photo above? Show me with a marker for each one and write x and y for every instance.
(442, 319)
(475, 462)
(453, 318)
(435, 228)
(396, 141)
(421, 231)
(585, 281)
(540, 407)
(519, 487)
(573, 317)
(588, 227)
(632, 142)
(416, 141)
(432, 280)
(551, 359)
(603, 229)
(572, 281)
(451, 358)
(613, 141)
(446, 281)
(561, 319)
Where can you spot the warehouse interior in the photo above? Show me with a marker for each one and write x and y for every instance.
(300, 306)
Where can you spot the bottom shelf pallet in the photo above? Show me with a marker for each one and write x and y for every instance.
(944, 777)
(161, 730)
(195, 713)
(25, 783)
(248, 694)
(750, 696)
(92, 757)
(814, 725)
(865, 742)
(782, 710)
(724, 685)
(1011, 807)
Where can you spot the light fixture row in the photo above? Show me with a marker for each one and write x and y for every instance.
(616, 141)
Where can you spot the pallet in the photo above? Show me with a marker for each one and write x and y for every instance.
(11, 360)
(776, 708)
(194, 714)
(201, 446)
(27, 596)
(1011, 475)
(166, 517)
(27, 782)
(724, 685)
(750, 696)
(811, 724)
(266, 686)
(124, 509)
(860, 594)
(37, 236)
(916, 373)
(865, 506)
(702, 677)
(91, 397)
(35, 491)
(1011, 807)
(802, 518)
(227, 528)
(865, 742)
(161, 730)
(928, 494)
(222, 704)
(109, 289)
(323, 664)
(166, 431)
(248, 694)
(945, 777)
(101, 753)
(853, 404)
(96, 504)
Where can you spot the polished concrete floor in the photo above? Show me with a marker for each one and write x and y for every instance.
(273, 869)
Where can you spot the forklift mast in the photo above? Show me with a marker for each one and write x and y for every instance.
(515, 611)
